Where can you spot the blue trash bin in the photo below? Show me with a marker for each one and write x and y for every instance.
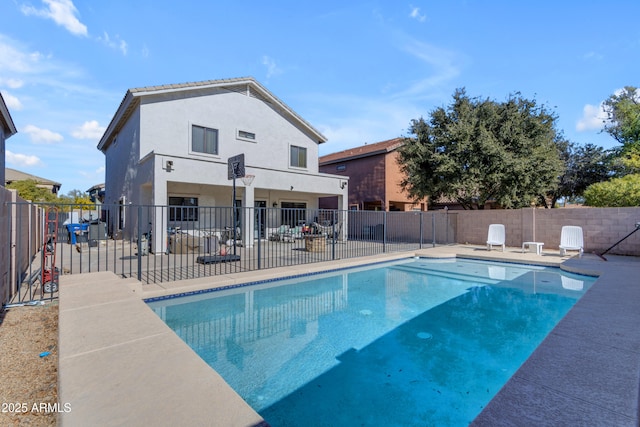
(73, 228)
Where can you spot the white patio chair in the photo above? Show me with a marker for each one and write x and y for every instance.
(496, 236)
(571, 239)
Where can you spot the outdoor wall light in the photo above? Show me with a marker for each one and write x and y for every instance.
(343, 184)
(292, 188)
(275, 204)
(169, 165)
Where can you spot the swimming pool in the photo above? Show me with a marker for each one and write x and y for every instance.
(411, 342)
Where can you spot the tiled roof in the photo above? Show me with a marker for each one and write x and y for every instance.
(15, 175)
(362, 151)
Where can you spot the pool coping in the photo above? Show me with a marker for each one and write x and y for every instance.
(112, 348)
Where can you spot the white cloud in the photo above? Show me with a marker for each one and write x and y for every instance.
(14, 59)
(43, 73)
(415, 14)
(118, 43)
(592, 118)
(89, 130)
(38, 135)
(443, 63)
(11, 83)
(363, 119)
(272, 68)
(22, 159)
(62, 12)
(12, 102)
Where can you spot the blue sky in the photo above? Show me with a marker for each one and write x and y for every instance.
(358, 71)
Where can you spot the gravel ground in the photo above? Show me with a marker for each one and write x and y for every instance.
(29, 366)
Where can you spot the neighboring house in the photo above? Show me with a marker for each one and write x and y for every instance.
(7, 129)
(374, 177)
(170, 145)
(96, 193)
(12, 175)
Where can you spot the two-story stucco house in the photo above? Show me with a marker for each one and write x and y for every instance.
(170, 145)
(7, 129)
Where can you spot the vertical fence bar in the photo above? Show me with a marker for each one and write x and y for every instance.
(139, 243)
(384, 231)
(261, 212)
(433, 228)
(421, 229)
(334, 238)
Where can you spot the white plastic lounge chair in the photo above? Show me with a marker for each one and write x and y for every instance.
(571, 239)
(496, 236)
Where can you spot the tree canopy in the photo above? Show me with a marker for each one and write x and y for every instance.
(623, 124)
(623, 118)
(28, 189)
(584, 165)
(479, 150)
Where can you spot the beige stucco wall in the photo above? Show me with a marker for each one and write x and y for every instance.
(601, 227)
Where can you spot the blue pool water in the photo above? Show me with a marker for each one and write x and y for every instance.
(413, 342)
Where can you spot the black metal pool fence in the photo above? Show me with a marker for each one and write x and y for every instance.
(166, 243)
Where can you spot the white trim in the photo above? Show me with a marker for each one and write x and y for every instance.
(243, 138)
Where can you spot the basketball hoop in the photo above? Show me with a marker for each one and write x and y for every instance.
(247, 179)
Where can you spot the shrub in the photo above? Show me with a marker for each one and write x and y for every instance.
(617, 192)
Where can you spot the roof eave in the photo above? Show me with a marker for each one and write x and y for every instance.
(6, 119)
(125, 106)
(136, 93)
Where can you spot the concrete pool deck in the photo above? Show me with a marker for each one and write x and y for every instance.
(119, 364)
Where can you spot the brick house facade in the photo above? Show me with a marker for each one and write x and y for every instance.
(374, 177)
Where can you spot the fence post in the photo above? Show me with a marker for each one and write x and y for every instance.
(139, 253)
(433, 228)
(384, 231)
(333, 235)
(446, 225)
(420, 245)
(261, 211)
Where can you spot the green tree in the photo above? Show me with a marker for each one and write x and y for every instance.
(28, 189)
(477, 150)
(618, 192)
(623, 118)
(584, 165)
(78, 199)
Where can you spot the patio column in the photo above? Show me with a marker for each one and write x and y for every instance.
(249, 218)
(343, 207)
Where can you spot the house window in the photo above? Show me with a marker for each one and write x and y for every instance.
(248, 136)
(298, 157)
(204, 140)
(340, 168)
(183, 208)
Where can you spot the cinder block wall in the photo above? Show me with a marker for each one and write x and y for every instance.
(17, 221)
(602, 227)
